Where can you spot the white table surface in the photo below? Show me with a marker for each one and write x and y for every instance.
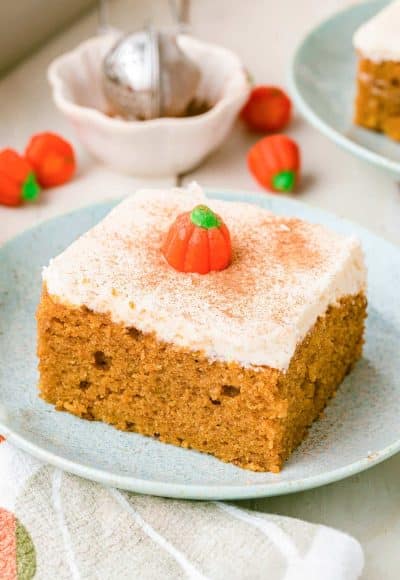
(264, 34)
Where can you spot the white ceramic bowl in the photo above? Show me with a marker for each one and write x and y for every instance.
(166, 146)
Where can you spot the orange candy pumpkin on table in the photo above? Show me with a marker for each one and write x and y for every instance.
(275, 163)
(17, 179)
(268, 109)
(52, 158)
(49, 160)
(275, 160)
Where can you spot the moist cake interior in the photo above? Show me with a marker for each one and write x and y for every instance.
(97, 369)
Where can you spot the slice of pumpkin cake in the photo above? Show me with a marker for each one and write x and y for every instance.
(208, 324)
(377, 43)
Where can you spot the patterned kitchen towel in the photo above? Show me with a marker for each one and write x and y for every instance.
(55, 526)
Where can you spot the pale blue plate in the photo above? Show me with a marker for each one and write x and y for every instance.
(322, 83)
(360, 428)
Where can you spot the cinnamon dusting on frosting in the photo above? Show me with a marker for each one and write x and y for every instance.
(292, 247)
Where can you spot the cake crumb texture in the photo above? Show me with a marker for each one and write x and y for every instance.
(101, 370)
(377, 105)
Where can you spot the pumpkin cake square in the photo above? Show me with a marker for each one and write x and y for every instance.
(377, 43)
(237, 362)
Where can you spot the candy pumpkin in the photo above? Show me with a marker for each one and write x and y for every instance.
(17, 179)
(268, 109)
(198, 241)
(275, 162)
(52, 158)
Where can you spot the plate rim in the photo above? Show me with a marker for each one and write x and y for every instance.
(187, 490)
(313, 118)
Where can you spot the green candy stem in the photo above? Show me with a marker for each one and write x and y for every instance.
(203, 217)
(30, 188)
(284, 180)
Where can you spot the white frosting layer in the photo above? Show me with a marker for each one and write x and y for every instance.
(378, 39)
(284, 274)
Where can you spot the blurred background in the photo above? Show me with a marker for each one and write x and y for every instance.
(263, 33)
(27, 24)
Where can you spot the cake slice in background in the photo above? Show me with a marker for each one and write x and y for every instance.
(377, 43)
(237, 363)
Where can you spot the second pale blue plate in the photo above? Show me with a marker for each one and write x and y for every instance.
(322, 83)
(361, 425)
